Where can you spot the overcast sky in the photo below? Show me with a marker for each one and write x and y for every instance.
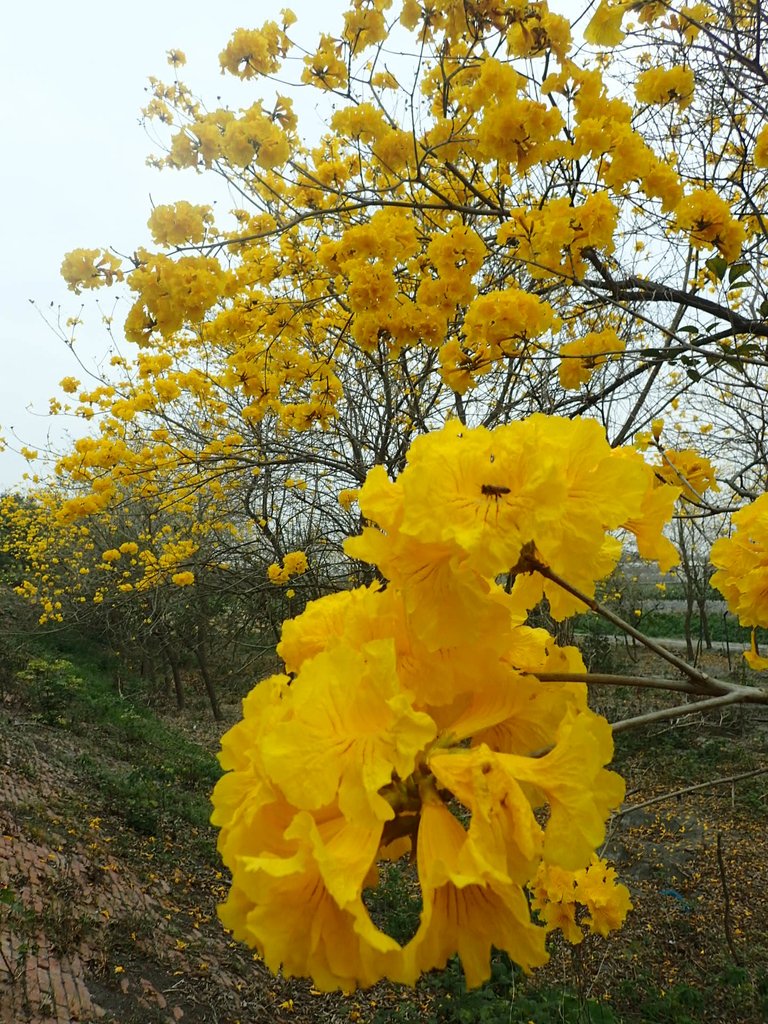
(73, 79)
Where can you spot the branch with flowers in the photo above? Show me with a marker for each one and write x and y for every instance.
(408, 707)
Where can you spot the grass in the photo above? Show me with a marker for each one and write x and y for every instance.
(671, 625)
(442, 997)
(147, 773)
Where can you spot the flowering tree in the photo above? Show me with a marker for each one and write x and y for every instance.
(440, 323)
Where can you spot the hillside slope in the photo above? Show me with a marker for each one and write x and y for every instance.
(108, 873)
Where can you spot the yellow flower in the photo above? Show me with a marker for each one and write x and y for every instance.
(741, 561)
(558, 893)
(467, 907)
(347, 497)
(604, 29)
(405, 699)
(606, 900)
(90, 268)
(708, 220)
(347, 745)
(179, 223)
(252, 52)
(579, 359)
(662, 85)
(760, 152)
(183, 579)
(294, 563)
(688, 470)
(326, 67)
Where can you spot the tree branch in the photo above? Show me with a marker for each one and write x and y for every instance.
(690, 789)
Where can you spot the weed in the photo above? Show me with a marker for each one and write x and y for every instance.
(65, 929)
(395, 904)
(506, 998)
(16, 919)
(52, 687)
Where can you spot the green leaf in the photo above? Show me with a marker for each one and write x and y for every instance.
(738, 270)
(718, 266)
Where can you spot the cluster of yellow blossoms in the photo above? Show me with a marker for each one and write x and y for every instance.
(579, 359)
(294, 563)
(411, 721)
(665, 85)
(741, 561)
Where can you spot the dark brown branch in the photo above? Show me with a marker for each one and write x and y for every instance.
(636, 289)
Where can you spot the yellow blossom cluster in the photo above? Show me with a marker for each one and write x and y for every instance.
(73, 553)
(579, 359)
(741, 563)
(552, 241)
(326, 68)
(572, 900)
(496, 325)
(708, 219)
(760, 154)
(665, 85)
(254, 137)
(411, 720)
(90, 268)
(252, 52)
(294, 563)
(172, 292)
(347, 496)
(689, 470)
(179, 223)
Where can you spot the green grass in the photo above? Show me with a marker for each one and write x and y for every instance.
(660, 623)
(146, 773)
(442, 997)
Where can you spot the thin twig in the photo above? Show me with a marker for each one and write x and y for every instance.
(609, 679)
(690, 789)
(530, 563)
(664, 714)
(727, 904)
(533, 564)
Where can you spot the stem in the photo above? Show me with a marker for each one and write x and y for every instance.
(534, 565)
(606, 679)
(682, 709)
(727, 904)
(690, 789)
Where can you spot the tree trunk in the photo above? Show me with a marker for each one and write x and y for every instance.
(704, 620)
(687, 626)
(202, 661)
(178, 685)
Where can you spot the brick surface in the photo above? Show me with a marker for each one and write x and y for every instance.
(39, 982)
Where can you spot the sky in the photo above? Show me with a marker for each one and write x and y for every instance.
(73, 78)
